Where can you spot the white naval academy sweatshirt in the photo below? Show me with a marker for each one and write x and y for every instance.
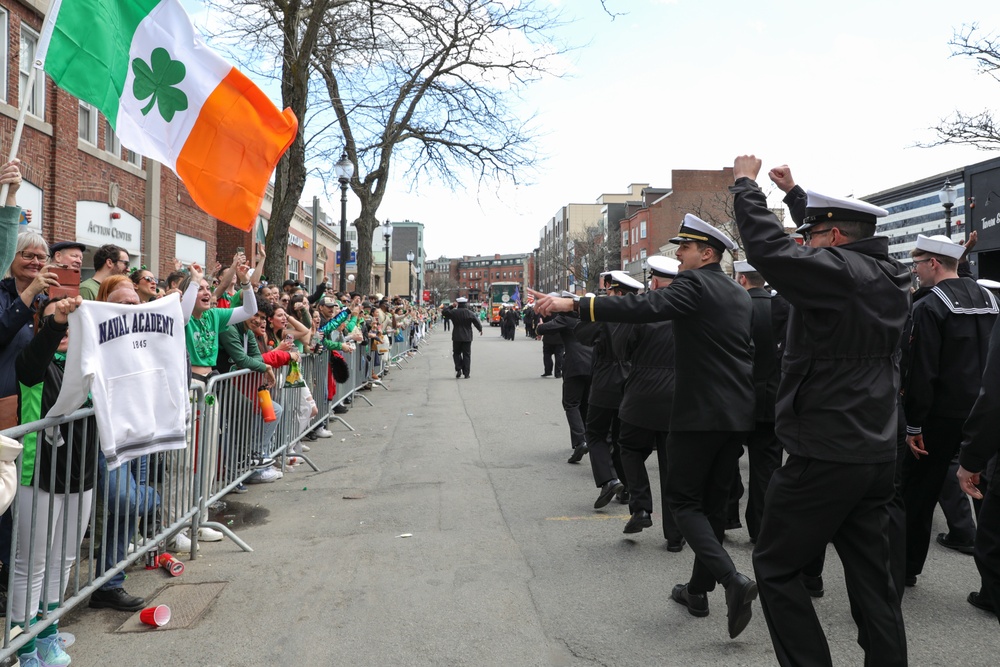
(131, 359)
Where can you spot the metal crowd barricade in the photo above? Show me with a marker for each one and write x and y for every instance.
(78, 541)
(135, 509)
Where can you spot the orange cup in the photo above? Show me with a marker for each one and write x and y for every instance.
(157, 616)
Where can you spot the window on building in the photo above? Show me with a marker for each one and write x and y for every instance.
(29, 42)
(133, 158)
(307, 276)
(293, 268)
(642, 254)
(642, 229)
(4, 52)
(111, 142)
(624, 238)
(88, 123)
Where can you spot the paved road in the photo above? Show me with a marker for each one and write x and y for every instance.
(508, 564)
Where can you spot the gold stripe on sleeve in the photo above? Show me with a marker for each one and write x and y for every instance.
(592, 318)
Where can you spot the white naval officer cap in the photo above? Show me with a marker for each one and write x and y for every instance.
(461, 299)
(665, 267)
(824, 208)
(743, 266)
(939, 244)
(620, 280)
(988, 284)
(695, 229)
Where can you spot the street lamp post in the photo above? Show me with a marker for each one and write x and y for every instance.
(344, 169)
(420, 292)
(409, 273)
(948, 194)
(645, 266)
(387, 234)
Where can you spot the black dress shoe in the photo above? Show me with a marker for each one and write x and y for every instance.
(980, 601)
(116, 598)
(675, 547)
(578, 453)
(608, 492)
(814, 585)
(639, 520)
(624, 498)
(697, 604)
(911, 580)
(546, 375)
(944, 539)
(740, 594)
(458, 374)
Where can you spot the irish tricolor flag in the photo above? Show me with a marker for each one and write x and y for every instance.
(170, 97)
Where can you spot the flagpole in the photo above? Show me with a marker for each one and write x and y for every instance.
(16, 141)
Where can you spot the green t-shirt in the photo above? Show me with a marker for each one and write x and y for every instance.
(88, 289)
(202, 335)
(10, 224)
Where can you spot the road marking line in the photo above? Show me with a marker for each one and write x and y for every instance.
(597, 517)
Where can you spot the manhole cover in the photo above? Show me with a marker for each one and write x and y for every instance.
(187, 603)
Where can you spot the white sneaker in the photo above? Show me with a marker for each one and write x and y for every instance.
(206, 534)
(324, 433)
(181, 542)
(304, 448)
(264, 476)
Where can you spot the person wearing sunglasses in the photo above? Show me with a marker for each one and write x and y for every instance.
(109, 260)
(145, 284)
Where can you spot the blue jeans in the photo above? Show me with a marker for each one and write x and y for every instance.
(129, 497)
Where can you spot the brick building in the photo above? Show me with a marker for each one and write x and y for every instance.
(653, 219)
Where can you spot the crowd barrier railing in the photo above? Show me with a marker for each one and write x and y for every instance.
(79, 525)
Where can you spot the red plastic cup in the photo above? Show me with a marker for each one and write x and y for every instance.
(157, 616)
(171, 564)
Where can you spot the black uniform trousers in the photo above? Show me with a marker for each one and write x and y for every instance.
(699, 473)
(603, 428)
(987, 546)
(636, 444)
(923, 479)
(447, 324)
(575, 394)
(552, 352)
(810, 503)
(764, 452)
(462, 353)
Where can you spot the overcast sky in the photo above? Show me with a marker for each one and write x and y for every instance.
(839, 91)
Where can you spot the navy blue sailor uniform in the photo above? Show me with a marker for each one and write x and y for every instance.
(836, 419)
(713, 405)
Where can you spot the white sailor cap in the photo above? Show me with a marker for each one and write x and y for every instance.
(665, 267)
(824, 208)
(590, 295)
(620, 280)
(461, 299)
(695, 229)
(988, 284)
(743, 266)
(939, 244)
(554, 294)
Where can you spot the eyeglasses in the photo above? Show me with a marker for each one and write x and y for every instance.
(29, 256)
(920, 261)
(808, 236)
(121, 261)
(149, 279)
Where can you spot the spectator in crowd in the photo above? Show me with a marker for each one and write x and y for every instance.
(65, 454)
(68, 253)
(282, 328)
(29, 277)
(240, 349)
(109, 260)
(128, 489)
(145, 284)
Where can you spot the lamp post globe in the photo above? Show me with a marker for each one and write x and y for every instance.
(344, 169)
(948, 195)
(409, 273)
(387, 234)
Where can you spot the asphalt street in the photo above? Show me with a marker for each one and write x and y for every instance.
(449, 529)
